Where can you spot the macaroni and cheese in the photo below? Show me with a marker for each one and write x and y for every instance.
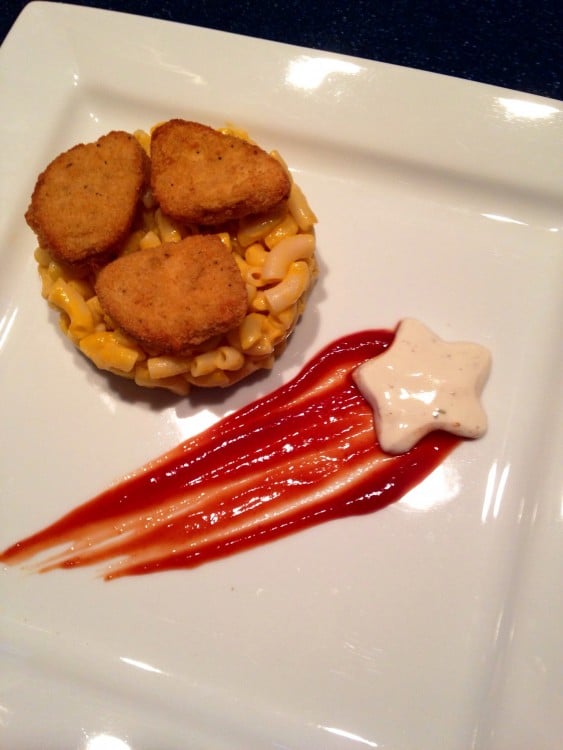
(275, 254)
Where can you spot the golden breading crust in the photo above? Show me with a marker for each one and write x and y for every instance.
(84, 202)
(174, 296)
(201, 176)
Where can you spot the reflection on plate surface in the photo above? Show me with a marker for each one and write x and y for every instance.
(437, 199)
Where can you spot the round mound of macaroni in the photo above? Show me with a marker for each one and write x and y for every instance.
(276, 257)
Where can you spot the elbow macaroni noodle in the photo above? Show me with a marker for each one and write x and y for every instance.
(276, 257)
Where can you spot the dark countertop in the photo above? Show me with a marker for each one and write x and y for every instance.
(517, 45)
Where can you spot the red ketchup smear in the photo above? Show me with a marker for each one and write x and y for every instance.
(304, 454)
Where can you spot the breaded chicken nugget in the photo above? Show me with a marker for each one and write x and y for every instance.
(175, 296)
(84, 202)
(201, 176)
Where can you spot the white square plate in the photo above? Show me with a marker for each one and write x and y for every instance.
(433, 624)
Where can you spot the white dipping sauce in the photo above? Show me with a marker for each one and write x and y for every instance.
(421, 383)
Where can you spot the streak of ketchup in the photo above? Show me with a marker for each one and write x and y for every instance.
(304, 454)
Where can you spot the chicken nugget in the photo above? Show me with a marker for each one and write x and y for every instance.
(201, 176)
(84, 202)
(175, 296)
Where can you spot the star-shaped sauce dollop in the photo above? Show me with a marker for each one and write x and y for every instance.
(422, 383)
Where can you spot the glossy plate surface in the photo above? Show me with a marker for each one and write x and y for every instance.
(433, 624)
